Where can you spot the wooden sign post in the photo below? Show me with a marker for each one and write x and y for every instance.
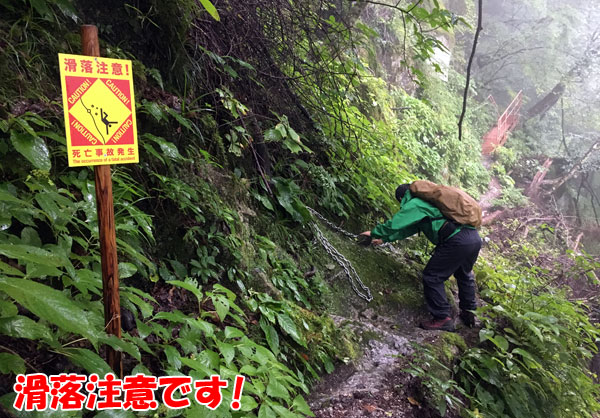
(106, 226)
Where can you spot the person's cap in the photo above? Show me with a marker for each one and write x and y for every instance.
(401, 191)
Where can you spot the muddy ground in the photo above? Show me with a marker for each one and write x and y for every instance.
(377, 384)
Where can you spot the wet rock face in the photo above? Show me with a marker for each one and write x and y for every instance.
(375, 384)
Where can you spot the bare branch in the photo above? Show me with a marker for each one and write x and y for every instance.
(464, 106)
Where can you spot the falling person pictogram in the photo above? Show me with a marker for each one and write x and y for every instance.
(105, 120)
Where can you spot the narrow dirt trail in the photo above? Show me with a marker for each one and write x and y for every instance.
(494, 188)
(494, 192)
(376, 384)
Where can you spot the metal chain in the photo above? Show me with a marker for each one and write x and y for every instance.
(364, 292)
(353, 277)
(385, 247)
(331, 224)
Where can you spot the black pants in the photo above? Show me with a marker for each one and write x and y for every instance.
(455, 256)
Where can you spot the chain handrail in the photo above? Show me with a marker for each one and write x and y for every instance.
(355, 282)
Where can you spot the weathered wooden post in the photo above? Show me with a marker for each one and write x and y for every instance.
(106, 226)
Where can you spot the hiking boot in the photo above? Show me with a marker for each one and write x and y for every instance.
(439, 324)
(468, 318)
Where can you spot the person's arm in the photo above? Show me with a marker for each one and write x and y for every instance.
(402, 225)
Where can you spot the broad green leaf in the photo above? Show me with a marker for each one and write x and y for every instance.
(271, 335)
(231, 332)
(190, 287)
(11, 363)
(230, 295)
(210, 359)
(286, 323)
(126, 270)
(292, 145)
(143, 329)
(140, 343)
(5, 196)
(57, 208)
(535, 330)
(329, 367)
(500, 341)
(221, 306)
(168, 149)
(155, 110)
(272, 135)
(10, 270)
(50, 304)
(31, 254)
(173, 357)
(227, 351)
(277, 390)
(485, 334)
(206, 327)
(87, 359)
(150, 149)
(33, 148)
(529, 359)
(87, 280)
(266, 412)
(248, 370)
(146, 308)
(198, 365)
(41, 7)
(29, 236)
(210, 8)
(175, 316)
(300, 405)
(179, 269)
(22, 327)
(248, 403)
(121, 345)
(182, 120)
(283, 412)
(38, 271)
(8, 309)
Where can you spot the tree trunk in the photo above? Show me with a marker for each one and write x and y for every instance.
(556, 183)
(533, 190)
(549, 100)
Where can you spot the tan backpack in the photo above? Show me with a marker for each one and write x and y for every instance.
(452, 202)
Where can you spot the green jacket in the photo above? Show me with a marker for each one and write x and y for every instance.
(415, 215)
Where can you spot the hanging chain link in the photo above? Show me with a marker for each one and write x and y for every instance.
(364, 292)
(355, 282)
(332, 225)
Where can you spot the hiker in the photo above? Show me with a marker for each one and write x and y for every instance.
(457, 248)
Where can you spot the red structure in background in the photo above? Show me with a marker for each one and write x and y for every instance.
(498, 135)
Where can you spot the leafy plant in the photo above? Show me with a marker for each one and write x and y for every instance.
(438, 379)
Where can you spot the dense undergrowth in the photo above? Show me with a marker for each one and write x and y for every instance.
(215, 265)
(533, 353)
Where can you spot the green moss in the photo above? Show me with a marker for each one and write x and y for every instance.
(452, 338)
(447, 349)
(339, 341)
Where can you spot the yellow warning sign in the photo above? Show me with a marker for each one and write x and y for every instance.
(99, 110)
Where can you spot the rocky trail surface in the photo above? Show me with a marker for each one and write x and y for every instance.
(376, 383)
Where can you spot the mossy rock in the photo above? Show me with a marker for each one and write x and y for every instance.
(394, 283)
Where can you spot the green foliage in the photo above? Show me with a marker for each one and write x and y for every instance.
(189, 244)
(533, 351)
(511, 197)
(442, 390)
